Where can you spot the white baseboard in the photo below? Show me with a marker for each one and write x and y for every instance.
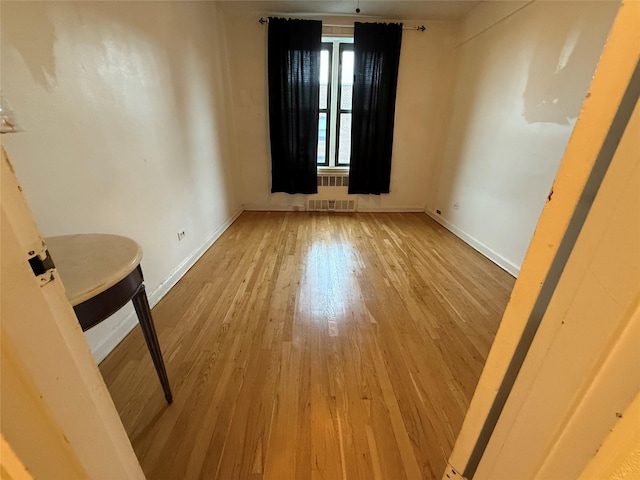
(387, 209)
(254, 207)
(130, 319)
(178, 273)
(360, 208)
(115, 336)
(477, 245)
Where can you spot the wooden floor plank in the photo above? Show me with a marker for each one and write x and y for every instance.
(313, 346)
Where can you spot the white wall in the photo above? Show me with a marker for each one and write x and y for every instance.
(146, 118)
(422, 108)
(520, 86)
(124, 110)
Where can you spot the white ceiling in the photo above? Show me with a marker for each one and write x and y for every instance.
(388, 9)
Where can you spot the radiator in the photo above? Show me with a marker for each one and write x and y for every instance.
(332, 195)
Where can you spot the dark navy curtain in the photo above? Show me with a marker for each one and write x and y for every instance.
(294, 86)
(377, 56)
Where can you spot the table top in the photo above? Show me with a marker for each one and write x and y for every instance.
(91, 263)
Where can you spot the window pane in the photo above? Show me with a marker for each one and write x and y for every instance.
(324, 78)
(344, 146)
(346, 80)
(322, 138)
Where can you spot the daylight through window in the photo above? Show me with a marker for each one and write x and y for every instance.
(336, 91)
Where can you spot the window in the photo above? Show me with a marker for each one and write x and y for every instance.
(336, 75)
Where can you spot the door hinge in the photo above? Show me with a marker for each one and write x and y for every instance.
(42, 266)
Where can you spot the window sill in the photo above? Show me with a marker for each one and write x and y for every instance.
(332, 170)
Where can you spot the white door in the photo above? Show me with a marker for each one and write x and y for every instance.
(58, 420)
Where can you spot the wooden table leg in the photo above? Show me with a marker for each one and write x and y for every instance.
(141, 304)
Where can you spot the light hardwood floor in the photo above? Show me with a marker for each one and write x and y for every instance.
(313, 346)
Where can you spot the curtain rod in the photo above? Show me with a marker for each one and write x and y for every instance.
(420, 28)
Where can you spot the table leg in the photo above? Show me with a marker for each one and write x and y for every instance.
(141, 304)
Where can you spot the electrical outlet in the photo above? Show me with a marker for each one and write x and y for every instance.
(456, 206)
(181, 235)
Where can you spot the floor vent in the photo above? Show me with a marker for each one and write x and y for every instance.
(331, 205)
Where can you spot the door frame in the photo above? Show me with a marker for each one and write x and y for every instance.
(58, 419)
(607, 107)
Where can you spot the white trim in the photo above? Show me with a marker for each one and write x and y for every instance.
(361, 208)
(116, 335)
(388, 209)
(184, 267)
(253, 207)
(492, 255)
(123, 328)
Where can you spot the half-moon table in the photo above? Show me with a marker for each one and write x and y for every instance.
(101, 273)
